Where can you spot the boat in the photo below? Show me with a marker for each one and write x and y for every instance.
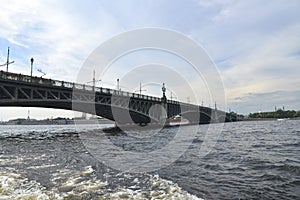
(178, 120)
(282, 119)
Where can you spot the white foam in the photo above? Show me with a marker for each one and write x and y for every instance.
(42, 166)
(159, 189)
(164, 189)
(78, 184)
(74, 184)
(15, 186)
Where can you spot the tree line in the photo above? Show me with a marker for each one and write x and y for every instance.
(276, 114)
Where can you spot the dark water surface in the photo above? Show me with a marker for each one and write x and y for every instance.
(251, 160)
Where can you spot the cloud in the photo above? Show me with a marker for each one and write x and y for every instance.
(254, 102)
(54, 33)
(256, 46)
(268, 67)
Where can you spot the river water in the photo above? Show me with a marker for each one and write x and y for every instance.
(249, 160)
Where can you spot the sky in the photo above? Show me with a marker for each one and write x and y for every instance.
(254, 44)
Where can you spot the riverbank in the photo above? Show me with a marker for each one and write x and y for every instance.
(269, 119)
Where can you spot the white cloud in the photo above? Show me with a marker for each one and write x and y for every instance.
(254, 102)
(256, 45)
(57, 38)
(269, 67)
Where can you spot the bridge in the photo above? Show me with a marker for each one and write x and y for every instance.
(123, 107)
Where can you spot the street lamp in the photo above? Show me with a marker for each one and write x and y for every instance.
(7, 62)
(118, 84)
(140, 90)
(171, 96)
(94, 80)
(164, 90)
(31, 60)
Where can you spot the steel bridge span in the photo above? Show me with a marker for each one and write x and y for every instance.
(120, 106)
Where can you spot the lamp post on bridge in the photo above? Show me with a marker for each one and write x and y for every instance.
(31, 61)
(118, 84)
(7, 61)
(94, 81)
(164, 91)
(164, 103)
(171, 96)
(140, 90)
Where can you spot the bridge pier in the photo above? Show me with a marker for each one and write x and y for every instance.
(214, 117)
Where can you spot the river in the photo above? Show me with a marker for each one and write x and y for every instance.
(249, 160)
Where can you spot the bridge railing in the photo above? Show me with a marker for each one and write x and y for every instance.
(71, 85)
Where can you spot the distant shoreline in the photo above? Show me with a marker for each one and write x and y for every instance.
(268, 119)
(106, 121)
(56, 122)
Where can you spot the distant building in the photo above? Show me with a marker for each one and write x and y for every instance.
(56, 121)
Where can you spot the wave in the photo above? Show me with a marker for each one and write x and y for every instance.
(158, 189)
(37, 135)
(83, 185)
